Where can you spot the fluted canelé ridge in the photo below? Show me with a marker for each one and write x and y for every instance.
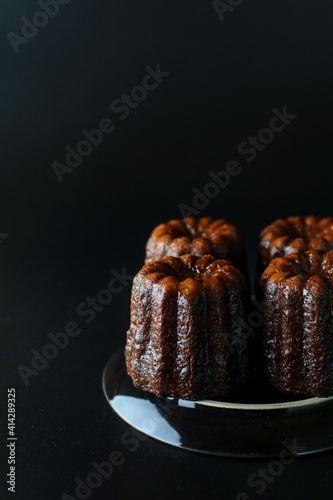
(298, 326)
(198, 237)
(295, 234)
(188, 336)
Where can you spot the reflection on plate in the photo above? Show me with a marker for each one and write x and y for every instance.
(257, 422)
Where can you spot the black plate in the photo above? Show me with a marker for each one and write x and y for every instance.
(256, 423)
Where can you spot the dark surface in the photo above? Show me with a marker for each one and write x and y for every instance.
(65, 238)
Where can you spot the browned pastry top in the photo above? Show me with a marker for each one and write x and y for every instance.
(295, 234)
(190, 271)
(195, 236)
(311, 266)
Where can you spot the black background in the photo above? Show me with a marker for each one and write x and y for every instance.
(65, 238)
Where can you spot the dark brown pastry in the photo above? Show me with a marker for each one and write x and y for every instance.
(188, 337)
(199, 237)
(298, 326)
(295, 234)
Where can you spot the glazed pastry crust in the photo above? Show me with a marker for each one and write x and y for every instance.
(188, 337)
(298, 326)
